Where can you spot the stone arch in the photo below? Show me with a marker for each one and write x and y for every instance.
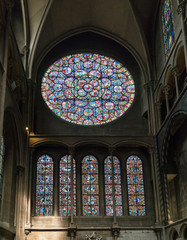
(181, 68)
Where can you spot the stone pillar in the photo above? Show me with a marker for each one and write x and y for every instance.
(155, 185)
(113, 186)
(166, 91)
(182, 11)
(175, 73)
(159, 105)
(72, 228)
(29, 186)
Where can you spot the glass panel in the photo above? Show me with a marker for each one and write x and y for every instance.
(90, 188)
(44, 186)
(167, 25)
(108, 186)
(65, 186)
(88, 89)
(135, 186)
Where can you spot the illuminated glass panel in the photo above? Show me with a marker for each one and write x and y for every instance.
(135, 186)
(65, 186)
(88, 89)
(108, 186)
(167, 25)
(2, 151)
(44, 186)
(90, 188)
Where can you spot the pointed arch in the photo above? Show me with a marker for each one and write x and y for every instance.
(136, 198)
(65, 186)
(90, 187)
(108, 186)
(44, 186)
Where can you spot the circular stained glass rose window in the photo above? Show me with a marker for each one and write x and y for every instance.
(88, 89)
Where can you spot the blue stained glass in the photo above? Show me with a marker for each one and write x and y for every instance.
(44, 186)
(117, 186)
(65, 186)
(2, 151)
(136, 196)
(90, 188)
(167, 25)
(88, 89)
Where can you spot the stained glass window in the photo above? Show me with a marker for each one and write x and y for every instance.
(44, 186)
(135, 186)
(108, 186)
(167, 25)
(88, 89)
(90, 188)
(65, 186)
(2, 151)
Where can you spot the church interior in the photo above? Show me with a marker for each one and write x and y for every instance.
(93, 120)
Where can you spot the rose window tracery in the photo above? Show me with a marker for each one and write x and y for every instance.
(88, 89)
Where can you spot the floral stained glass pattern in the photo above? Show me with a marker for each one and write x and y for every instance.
(2, 151)
(65, 186)
(167, 25)
(44, 186)
(88, 89)
(108, 186)
(135, 186)
(90, 188)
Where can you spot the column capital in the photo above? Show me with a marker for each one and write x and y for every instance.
(151, 149)
(158, 104)
(175, 70)
(149, 84)
(181, 6)
(167, 89)
(111, 150)
(71, 150)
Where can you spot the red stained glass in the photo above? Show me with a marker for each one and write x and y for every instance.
(90, 188)
(65, 186)
(108, 186)
(44, 186)
(88, 89)
(135, 186)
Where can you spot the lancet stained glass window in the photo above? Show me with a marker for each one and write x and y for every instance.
(44, 186)
(65, 186)
(135, 186)
(90, 188)
(167, 25)
(88, 89)
(2, 151)
(108, 186)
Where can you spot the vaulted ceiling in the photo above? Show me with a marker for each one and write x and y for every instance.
(130, 22)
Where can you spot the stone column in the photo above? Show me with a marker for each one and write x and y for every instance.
(113, 186)
(72, 228)
(29, 186)
(3, 77)
(151, 113)
(159, 105)
(166, 91)
(175, 73)
(155, 185)
(182, 11)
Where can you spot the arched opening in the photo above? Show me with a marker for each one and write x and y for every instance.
(170, 81)
(181, 68)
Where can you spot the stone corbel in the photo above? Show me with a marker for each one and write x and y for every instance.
(27, 232)
(115, 231)
(19, 169)
(72, 231)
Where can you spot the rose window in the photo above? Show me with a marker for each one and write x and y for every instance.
(88, 89)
